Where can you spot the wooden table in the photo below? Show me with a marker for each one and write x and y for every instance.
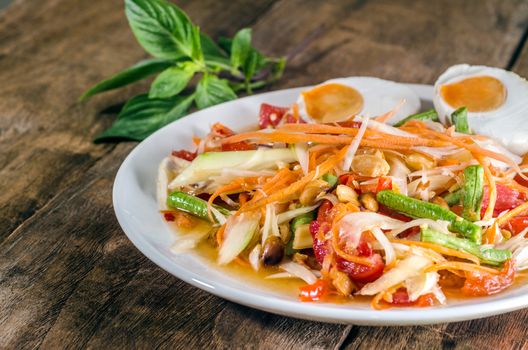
(69, 277)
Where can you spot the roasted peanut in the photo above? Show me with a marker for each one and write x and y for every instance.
(273, 251)
(285, 233)
(312, 190)
(417, 161)
(370, 165)
(369, 202)
(347, 194)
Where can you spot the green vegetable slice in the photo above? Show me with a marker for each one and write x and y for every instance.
(472, 192)
(488, 256)
(420, 209)
(193, 205)
(454, 198)
(460, 120)
(330, 178)
(427, 115)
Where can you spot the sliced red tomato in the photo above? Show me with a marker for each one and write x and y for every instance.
(507, 199)
(517, 225)
(401, 298)
(183, 154)
(238, 146)
(481, 283)
(270, 116)
(314, 292)
(362, 273)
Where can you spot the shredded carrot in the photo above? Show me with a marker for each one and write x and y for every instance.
(242, 198)
(376, 302)
(295, 112)
(386, 116)
(220, 234)
(511, 214)
(372, 135)
(456, 265)
(291, 190)
(239, 184)
(492, 190)
(439, 249)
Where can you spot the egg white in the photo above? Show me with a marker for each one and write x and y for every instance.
(379, 96)
(507, 124)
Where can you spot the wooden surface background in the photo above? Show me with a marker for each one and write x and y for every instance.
(69, 277)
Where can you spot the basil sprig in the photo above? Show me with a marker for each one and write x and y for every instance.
(182, 55)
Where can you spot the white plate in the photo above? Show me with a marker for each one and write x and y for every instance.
(136, 209)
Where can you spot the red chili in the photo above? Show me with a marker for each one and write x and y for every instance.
(183, 154)
(270, 116)
(517, 224)
(169, 216)
(314, 292)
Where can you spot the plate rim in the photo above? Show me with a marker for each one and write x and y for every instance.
(316, 311)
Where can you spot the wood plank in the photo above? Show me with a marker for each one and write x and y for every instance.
(399, 40)
(69, 277)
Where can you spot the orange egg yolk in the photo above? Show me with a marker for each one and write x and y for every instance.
(332, 102)
(477, 94)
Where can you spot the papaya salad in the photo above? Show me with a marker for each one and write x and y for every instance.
(359, 193)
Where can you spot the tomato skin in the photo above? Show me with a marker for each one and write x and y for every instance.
(314, 292)
(401, 298)
(517, 224)
(362, 273)
(238, 146)
(183, 154)
(507, 199)
(270, 116)
(357, 272)
(481, 284)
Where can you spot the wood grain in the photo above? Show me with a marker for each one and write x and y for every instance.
(69, 278)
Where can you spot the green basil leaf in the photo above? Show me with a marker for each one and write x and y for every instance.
(210, 48)
(278, 69)
(141, 116)
(241, 48)
(225, 44)
(172, 80)
(161, 28)
(212, 90)
(130, 75)
(254, 62)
